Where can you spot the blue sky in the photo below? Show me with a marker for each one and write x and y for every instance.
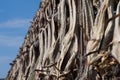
(15, 17)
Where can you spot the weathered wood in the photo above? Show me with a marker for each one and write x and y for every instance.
(71, 40)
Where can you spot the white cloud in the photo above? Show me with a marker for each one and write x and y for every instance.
(4, 59)
(15, 23)
(11, 41)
